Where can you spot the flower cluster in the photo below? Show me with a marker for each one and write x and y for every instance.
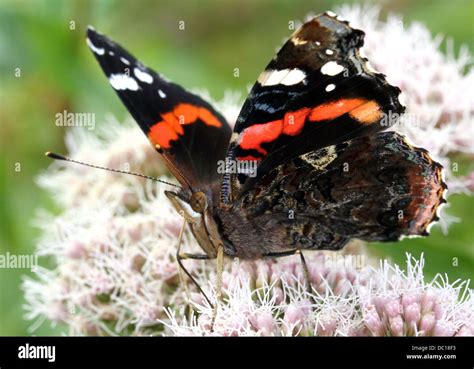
(113, 238)
(270, 298)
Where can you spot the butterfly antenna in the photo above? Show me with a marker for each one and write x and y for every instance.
(55, 156)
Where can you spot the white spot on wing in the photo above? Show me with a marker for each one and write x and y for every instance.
(331, 68)
(111, 53)
(294, 77)
(403, 236)
(286, 77)
(234, 137)
(124, 61)
(331, 14)
(329, 52)
(143, 76)
(97, 50)
(123, 82)
(269, 77)
(330, 87)
(298, 41)
(162, 94)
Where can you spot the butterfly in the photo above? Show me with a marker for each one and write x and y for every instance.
(306, 166)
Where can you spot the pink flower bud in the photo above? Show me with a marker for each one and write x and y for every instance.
(427, 323)
(397, 326)
(294, 315)
(235, 324)
(444, 328)
(351, 276)
(373, 322)
(76, 249)
(314, 274)
(279, 295)
(264, 323)
(197, 298)
(427, 302)
(342, 287)
(393, 308)
(408, 299)
(205, 323)
(326, 328)
(379, 303)
(412, 314)
(438, 310)
(263, 274)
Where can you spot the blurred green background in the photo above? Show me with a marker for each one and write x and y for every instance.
(58, 72)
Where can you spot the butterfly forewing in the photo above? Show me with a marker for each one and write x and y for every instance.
(316, 92)
(187, 131)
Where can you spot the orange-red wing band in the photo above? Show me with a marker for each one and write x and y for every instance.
(170, 127)
(367, 113)
(334, 109)
(254, 136)
(364, 111)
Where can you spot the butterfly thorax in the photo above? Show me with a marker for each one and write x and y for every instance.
(196, 208)
(214, 225)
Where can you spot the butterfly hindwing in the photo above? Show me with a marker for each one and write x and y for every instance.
(374, 188)
(186, 130)
(316, 92)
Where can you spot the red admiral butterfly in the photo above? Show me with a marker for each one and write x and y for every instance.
(305, 167)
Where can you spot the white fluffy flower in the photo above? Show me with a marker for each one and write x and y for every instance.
(377, 301)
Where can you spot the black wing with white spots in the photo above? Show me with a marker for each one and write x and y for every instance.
(186, 130)
(317, 91)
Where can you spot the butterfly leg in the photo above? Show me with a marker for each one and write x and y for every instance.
(309, 287)
(186, 255)
(219, 270)
(183, 256)
(280, 254)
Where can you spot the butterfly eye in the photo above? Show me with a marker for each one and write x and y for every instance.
(198, 202)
